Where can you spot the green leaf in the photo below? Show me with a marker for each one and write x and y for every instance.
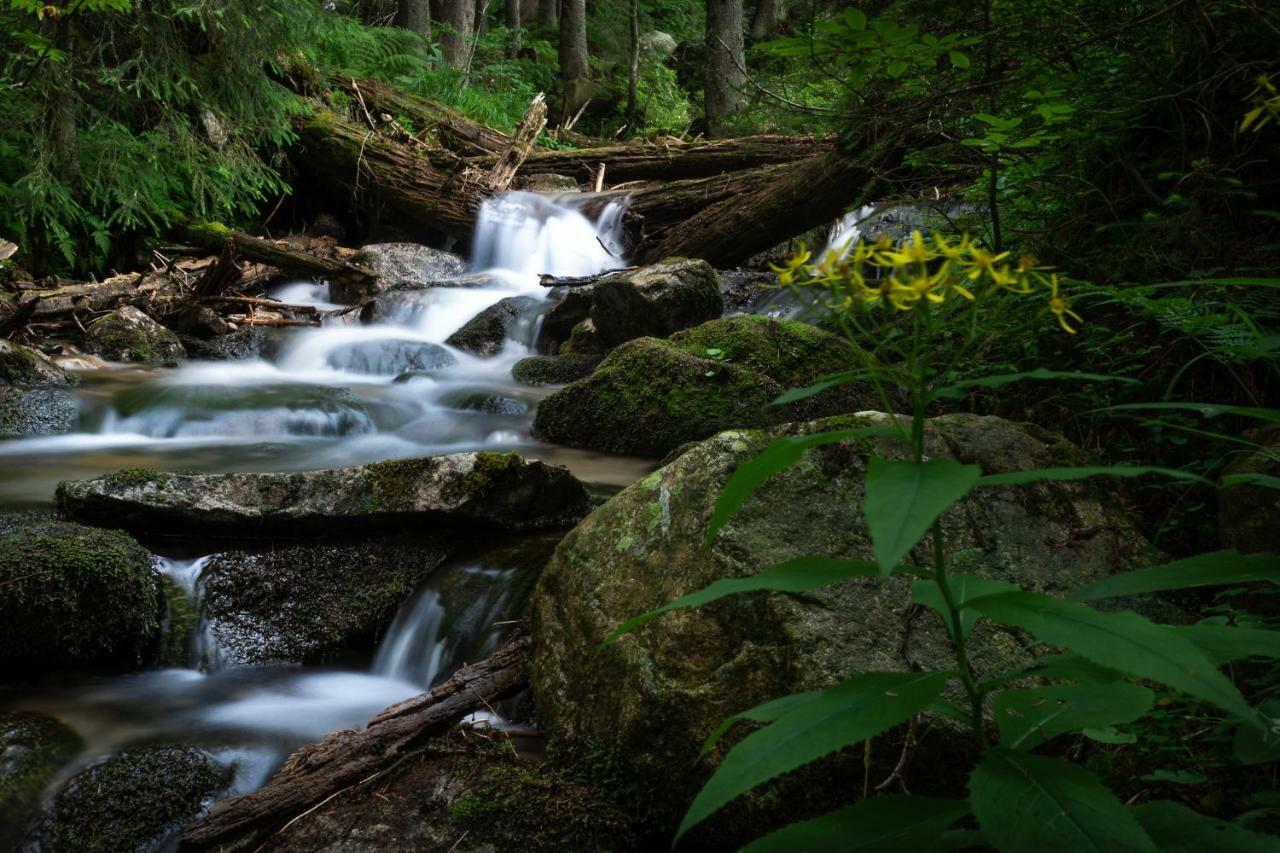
(855, 19)
(903, 498)
(1224, 643)
(1123, 641)
(1208, 410)
(958, 59)
(795, 394)
(1217, 568)
(894, 823)
(1018, 478)
(1260, 745)
(963, 587)
(1177, 829)
(897, 69)
(1252, 479)
(800, 574)
(1109, 735)
(1029, 717)
(781, 454)
(959, 388)
(1058, 667)
(851, 712)
(1027, 802)
(765, 712)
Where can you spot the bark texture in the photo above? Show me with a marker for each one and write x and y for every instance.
(574, 73)
(415, 15)
(723, 79)
(455, 40)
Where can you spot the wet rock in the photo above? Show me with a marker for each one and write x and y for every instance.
(477, 400)
(74, 596)
(24, 366)
(648, 301)
(1249, 515)
(398, 264)
(469, 795)
(501, 490)
(390, 357)
(650, 396)
(139, 799)
(127, 334)
(202, 322)
(554, 369)
(241, 343)
(485, 333)
(39, 411)
(649, 700)
(550, 183)
(32, 748)
(310, 603)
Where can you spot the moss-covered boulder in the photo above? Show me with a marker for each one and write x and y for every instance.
(1249, 513)
(553, 369)
(127, 334)
(649, 700)
(310, 603)
(74, 595)
(34, 399)
(32, 748)
(655, 301)
(139, 799)
(485, 333)
(460, 490)
(649, 396)
(469, 794)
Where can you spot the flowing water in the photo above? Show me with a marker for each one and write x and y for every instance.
(340, 394)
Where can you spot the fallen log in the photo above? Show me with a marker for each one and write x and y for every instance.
(434, 124)
(344, 759)
(275, 253)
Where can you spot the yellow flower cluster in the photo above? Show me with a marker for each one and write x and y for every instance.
(918, 271)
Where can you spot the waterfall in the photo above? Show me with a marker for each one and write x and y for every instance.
(413, 648)
(534, 234)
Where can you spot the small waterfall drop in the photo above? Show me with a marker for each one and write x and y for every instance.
(535, 234)
(412, 649)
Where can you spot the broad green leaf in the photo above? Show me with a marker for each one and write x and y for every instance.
(1177, 829)
(1260, 745)
(958, 59)
(1223, 644)
(765, 712)
(963, 587)
(1058, 667)
(800, 574)
(1027, 802)
(853, 711)
(897, 69)
(1217, 568)
(1209, 410)
(1029, 717)
(894, 823)
(855, 19)
(1251, 479)
(781, 454)
(903, 498)
(1017, 478)
(816, 388)
(1109, 735)
(1122, 640)
(959, 389)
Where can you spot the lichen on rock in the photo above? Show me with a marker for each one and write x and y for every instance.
(127, 334)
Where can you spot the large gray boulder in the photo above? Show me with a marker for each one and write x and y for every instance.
(309, 603)
(652, 301)
(34, 399)
(648, 397)
(74, 596)
(501, 490)
(648, 701)
(127, 334)
(138, 799)
(398, 264)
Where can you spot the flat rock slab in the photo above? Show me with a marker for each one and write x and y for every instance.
(460, 490)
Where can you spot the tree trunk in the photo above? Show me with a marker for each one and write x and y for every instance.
(454, 131)
(343, 759)
(482, 20)
(633, 71)
(455, 40)
(574, 71)
(723, 78)
(415, 15)
(514, 23)
(768, 14)
(549, 15)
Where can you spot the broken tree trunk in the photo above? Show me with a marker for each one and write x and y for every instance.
(434, 124)
(348, 758)
(504, 171)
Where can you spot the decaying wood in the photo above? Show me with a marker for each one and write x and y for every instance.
(275, 253)
(504, 170)
(346, 758)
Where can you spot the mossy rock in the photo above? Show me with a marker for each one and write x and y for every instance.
(648, 397)
(26, 412)
(647, 702)
(127, 334)
(32, 748)
(21, 365)
(75, 596)
(554, 369)
(487, 332)
(311, 603)
(139, 799)
(654, 301)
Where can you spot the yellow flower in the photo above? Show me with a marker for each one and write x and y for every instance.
(981, 261)
(1061, 308)
(910, 251)
(787, 272)
(951, 252)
